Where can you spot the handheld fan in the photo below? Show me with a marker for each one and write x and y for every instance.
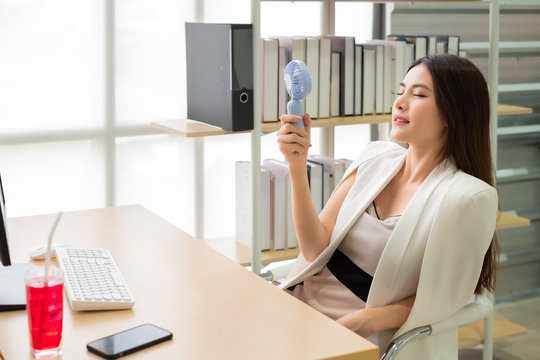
(298, 85)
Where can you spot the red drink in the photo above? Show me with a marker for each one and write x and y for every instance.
(44, 305)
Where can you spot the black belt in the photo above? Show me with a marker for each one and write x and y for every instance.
(350, 275)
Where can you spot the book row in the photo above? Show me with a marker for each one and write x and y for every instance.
(348, 78)
(278, 233)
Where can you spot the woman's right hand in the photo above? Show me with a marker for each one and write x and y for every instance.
(293, 141)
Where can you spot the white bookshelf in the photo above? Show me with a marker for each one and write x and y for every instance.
(193, 129)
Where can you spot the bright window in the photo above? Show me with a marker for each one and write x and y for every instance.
(57, 149)
(51, 65)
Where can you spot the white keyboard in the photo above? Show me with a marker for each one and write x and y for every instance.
(92, 280)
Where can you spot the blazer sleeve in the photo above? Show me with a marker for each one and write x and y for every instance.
(461, 233)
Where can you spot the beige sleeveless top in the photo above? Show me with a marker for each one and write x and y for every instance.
(339, 287)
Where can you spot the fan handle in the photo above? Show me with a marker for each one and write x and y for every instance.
(294, 107)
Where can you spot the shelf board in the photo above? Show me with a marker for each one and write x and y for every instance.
(484, 45)
(504, 109)
(334, 121)
(512, 175)
(192, 128)
(472, 334)
(518, 130)
(509, 221)
(241, 254)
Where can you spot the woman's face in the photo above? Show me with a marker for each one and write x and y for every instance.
(416, 119)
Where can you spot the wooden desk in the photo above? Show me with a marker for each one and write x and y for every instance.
(215, 308)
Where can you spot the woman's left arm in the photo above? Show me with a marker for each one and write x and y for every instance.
(369, 321)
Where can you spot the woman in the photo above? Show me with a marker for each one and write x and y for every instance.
(407, 237)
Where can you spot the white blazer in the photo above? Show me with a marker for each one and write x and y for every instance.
(436, 250)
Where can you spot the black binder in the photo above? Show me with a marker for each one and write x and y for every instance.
(219, 63)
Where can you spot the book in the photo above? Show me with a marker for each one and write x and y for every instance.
(270, 65)
(432, 45)
(315, 177)
(389, 51)
(325, 70)
(349, 75)
(358, 77)
(312, 62)
(379, 79)
(340, 167)
(244, 206)
(368, 88)
(441, 46)
(345, 46)
(447, 44)
(408, 59)
(283, 97)
(291, 240)
(279, 192)
(339, 171)
(420, 46)
(335, 86)
(453, 44)
(299, 48)
(328, 164)
(299, 53)
(401, 66)
(296, 50)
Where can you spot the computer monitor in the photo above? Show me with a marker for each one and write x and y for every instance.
(12, 289)
(4, 249)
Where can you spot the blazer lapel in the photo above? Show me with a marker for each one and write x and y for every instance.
(383, 288)
(361, 194)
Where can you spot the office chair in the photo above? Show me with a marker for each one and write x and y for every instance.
(480, 308)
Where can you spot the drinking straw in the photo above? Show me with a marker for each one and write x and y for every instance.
(49, 243)
(45, 280)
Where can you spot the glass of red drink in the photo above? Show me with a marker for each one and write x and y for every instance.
(44, 306)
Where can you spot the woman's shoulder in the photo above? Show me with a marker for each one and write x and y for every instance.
(380, 148)
(468, 188)
(384, 146)
(471, 183)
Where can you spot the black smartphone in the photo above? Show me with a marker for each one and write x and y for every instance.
(128, 341)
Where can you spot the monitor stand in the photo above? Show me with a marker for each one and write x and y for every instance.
(12, 288)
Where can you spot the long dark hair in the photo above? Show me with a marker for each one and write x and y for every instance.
(462, 96)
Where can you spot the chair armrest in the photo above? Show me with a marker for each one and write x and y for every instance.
(279, 270)
(399, 342)
(481, 307)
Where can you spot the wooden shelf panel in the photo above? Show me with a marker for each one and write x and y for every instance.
(334, 121)
(472, 334)
(508, 221)
(242, 254)
(192, 128)
(504, 109)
